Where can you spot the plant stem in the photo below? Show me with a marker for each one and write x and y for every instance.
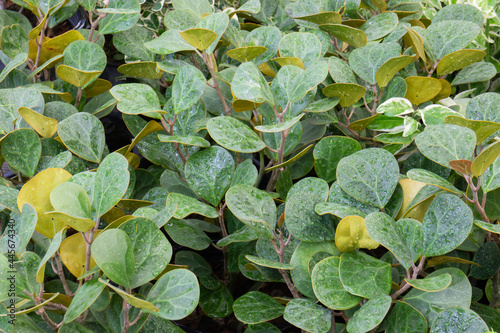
(60, 272)
(94, 24)
(281, 150)
(208, 61)
(169, 127)
(405, 285)
(126, 308)
(78, 97)
(222, 225)
(281, 255)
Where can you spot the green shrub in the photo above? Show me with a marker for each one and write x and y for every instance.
(303, 162)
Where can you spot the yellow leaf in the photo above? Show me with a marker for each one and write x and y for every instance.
(132, 300)
(76, 77)
(118, 222)
(240, 105)
(131, 204)
(349, 93)
(44, 126)
(421, 89)
(414, 39)
(283, 61)
(485, 159)
(143, 69)
(77, 223)
(151, 127)
(458, 60)
(351, 234)
(482, 128)
(133, 160)
(112, 215)
(36, 192)
(322, 18)
(267, 70)
(347, 33)
(387, 71)
(199, 38)
(410, 190)
(445, 90)
(446, 260)
(73, 254)
(98, 87)
(247, 53)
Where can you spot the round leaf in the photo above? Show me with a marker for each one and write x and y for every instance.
(256, 307)
(187, 88)
(22, 150)
(308, 315)
(462, 320)
(234, 135)
(370, 315)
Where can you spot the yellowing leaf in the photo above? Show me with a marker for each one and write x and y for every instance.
(349, 93)
(98, 87)
(351, 234)
(76, 77)
(387, 71)
(143, 69)
(283, 61)
(77, 223)
(247, 53)
(267, 70)
(73, 254)
(44, 126)
(240, 105)
(199, 37)
(112, 215)
(410, 190)
(133, 160)
(445, 91)
(485, 159)
(36, 192)
(421, 89)
(415, 40)
(458, 60)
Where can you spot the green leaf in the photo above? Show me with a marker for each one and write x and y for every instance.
(339, 210)
(126, 17)
(395, 107)
(488, 258)
(256, 307)
(253, 207)
(216, 303)
(16, 61)
(195, 262)
(87, 4)
(386, 231)
(307, 315)
(83, 135)
(85, 56)
(355, 174)
(189, 140)
(431, 284)
(249, 84)
(141, 69)
(292, 83)
(364, 275)
(430, 304)
(196, 7)
(463, 320)
(367, 60)
(370, 315)
(350, 35)
(71, 199)
(490, 179)
(463, 12)
(13, 41)
(484, 107)
(436, 114)
(490, 316)
(187, 88)
(340, 71)
(136, 98)
(22, 150)
(328, 288)
(130, 299)
(217, 23)
(302, 45)
(208, 173)
(443, 38)
(187, 235)
(8, 198)
(262, 328)
(179, 20)
(268, 263)
(110, 183)
(446, 225)
(310, 185)
(188, 205)
(23, 228)
(322, 105)
(245, 173)
(380, 25)
(113, 253)
(279, 127)
(445, 143)
(428, 177)
(234, 135)
(329, 151)
(169, 42)
(458, 60)
(266, 36)
(244, 234)
(405, 318)
(131, 43)
(83, 299)
(303, 222)
(478, 72)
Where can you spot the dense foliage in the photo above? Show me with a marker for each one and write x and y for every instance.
(315, 165)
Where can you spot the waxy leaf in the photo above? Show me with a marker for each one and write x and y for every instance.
(71, 199)
(256, 307)
(110, 183)
(266, 36)
(43, 125)
(247, 53)
(268, 263)
(123, 15)
(463, 320)
(484, 107)
(420, 89)
(367, 60)
(113, 253)
(245, 173)
(390, 68)
(83, 135)
(477, 72)
(329, 151)
(199, 38)
(307, 315)
(488, 257)
(447, 37)
(351, 234)
(350, 35)
(249, 84)
(370, 315)
(348, 93)
(254, 207)
(431, 284)
(328, 288)
(209, 173)
(486, 158)
(436, 114)
(445, 143)
(169, 42)
(304, 46)
(380, 25)
(175, 294)
(136, 98)
(189, 140)
(217, 23)
(24, 227)
(22, 150)
(83, 299)
(234, 135)
(405, 318)
(355, 174)
(152, 251)
(428, 177)
(458, 60)
(365, 276)
(187, 88)
(303, 222)
(188, 205)
(446, 225)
